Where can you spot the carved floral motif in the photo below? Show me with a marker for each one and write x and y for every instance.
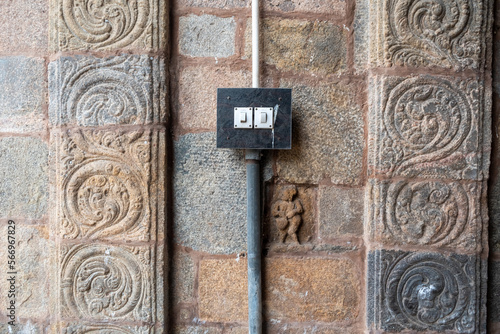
(104, 329)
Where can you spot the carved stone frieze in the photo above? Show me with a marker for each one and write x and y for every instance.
(426, 126)
(105, 25)
(104, 329)
(90, 91)
(427, 213)
(445, 33)
(105, 179)
(104, 282)
(423, 291)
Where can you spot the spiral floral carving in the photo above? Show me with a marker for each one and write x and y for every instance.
(426, 213)
(425, 120)
(102, 198)
(424, 32)
(102, 282)
(104, 23)
(430, 292)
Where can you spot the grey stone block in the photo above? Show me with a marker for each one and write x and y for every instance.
(24, 175)
(207, 36)
(22, 83)
(209, 196)
(494, 291)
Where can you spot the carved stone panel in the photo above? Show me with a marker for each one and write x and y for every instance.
(426, 126)
(426, 213)
(107, 25)
(105, 180)
(104, 282)
(423, 291)
(445, 33)
(89, 91)
(104, 329)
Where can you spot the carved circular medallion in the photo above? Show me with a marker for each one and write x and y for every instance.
(104, 23)
(426, 213)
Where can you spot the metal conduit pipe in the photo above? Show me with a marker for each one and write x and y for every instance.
(252, 158)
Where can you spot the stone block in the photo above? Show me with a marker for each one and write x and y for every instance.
(287, 219)
(182, 283)
(24, 26)
(426, 126)
(361, 26)
(107, 25)
(197, 108)
(494, 211)
(78, 328)
(423, 292)
(84, 270)
(22, 82)
(207, 36)
(301, 46)
(90, 91)
(290, 328)
(22, 328)
(298, 290)
(328, 134)
(425, 213)
(209, 195)
(24, 175)
(340, 212)
(494, 291)
(449, 34)
(108, 184)
(222, 4)
(197, 330)
(336, 8)
(32, 251)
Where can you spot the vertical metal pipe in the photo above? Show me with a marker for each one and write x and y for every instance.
(252, 158)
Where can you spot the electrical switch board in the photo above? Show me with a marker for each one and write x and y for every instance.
(254, 118)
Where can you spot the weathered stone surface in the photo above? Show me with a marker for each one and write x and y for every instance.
(287, 328)
(494, 212)
(300, 290)
(90, 91)
(340, 212)
(108, 184)
(361, 26)
(104, 328)
(20, 35)
(326, 7)
(422, 291)
(426, 126)
(198, 330)
(29, 327)
(107, 25)
(445, 33)
(207, 36)
(23, 93)
(182, 283)
(328, 132)
(279, 225)
(223, 4)
(300, 46)
(32, 251)
(494, 291)
(84, 268)
(197, 93)
(209, 196)
(23, 171)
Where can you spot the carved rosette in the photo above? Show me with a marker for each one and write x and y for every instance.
(433, 32)
(428, 291)
(90, 91)
(104, 178)
(103, 282)
(427, 127)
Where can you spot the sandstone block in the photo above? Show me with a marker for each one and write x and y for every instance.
(422, 291)
(108, 184)
(361, 26)
(23, 93)
(18, 35)
(89, 91)
(223, 4)
(197, 330)
(209, 196)
(426, 126)
(328, 131)
(340, 212)
(207, 36)
(198, 93)
(23, 171)
(336, 8)
(182, 283)
(107, 25)
(300, 46)
(77, 328)
(298, 290)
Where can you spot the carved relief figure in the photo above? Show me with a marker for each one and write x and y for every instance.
(287, 211)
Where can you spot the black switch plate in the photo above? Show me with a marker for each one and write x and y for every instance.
(278, 138)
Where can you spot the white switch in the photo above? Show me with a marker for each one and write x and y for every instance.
(243, 117)
(263, 117)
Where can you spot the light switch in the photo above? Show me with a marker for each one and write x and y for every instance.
(263, 118)
(243, 117)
